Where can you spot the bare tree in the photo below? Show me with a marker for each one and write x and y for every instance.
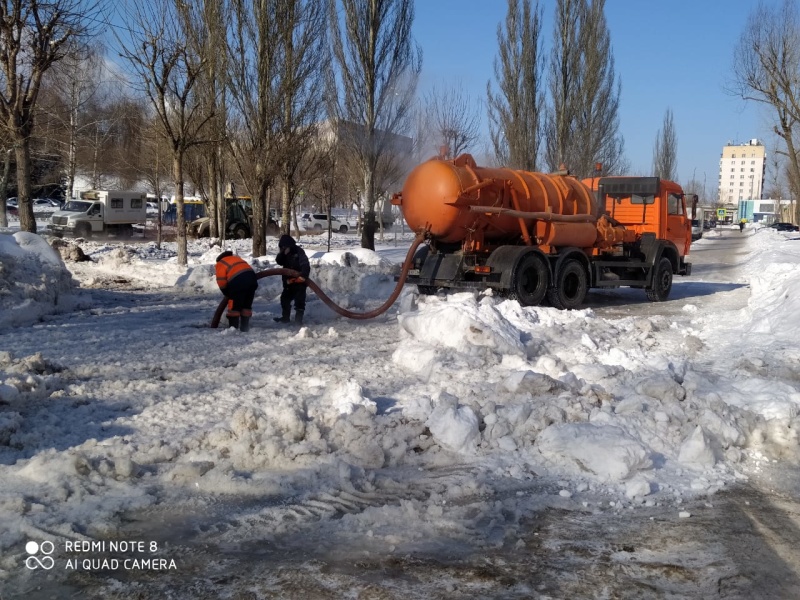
(155, 170)
(665, 150)
(165, 62)
(452, 119)
(766, 69)
(564, 77)
(33, 36)
(76, 80)
(375, 82)
(516, 111)
(583, 122)
(253, 74)
(212, 168)
(303, 65)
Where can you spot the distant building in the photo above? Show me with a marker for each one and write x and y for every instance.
(766, 211)
(741, 172)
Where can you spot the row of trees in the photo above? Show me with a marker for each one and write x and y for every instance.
(213, 92)
(576, 125)
(233, 90)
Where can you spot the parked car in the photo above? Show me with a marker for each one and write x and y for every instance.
(781, 226)
(697, 229)
(152, 210)
(40, 204)
(319, 222)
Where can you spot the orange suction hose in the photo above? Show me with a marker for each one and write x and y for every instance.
(330, 303)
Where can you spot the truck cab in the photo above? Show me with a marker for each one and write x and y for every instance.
(646, 205)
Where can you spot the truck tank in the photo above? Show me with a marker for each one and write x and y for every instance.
(458, 201)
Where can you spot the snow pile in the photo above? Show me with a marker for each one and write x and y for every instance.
(603, 451)
(634, 410)
(775, 285)
(33, 280)
(354, 278)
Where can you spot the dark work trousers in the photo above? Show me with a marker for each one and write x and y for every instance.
(240, 292)
(293, 292)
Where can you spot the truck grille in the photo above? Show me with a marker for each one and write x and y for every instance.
(60, 220)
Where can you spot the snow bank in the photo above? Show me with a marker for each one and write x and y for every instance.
(153, 409)
(33, 281)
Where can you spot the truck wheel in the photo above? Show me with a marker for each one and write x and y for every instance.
(240, 232)
(570, 286)
(531, 280)
(659, 290)
(83, 230)
(343, 229)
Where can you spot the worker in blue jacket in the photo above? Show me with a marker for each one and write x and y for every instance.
(292, 256)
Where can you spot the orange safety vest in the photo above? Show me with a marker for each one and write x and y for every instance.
(228, 268)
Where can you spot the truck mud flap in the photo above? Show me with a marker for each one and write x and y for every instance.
(442, 267)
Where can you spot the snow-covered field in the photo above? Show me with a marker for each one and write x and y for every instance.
(441, 424)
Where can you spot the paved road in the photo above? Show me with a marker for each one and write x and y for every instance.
(714, 262)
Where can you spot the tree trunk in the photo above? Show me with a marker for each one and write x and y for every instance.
(4, 188)
(177, 170)
(95, 175)
(259, 204)
(22, 149)
(72, 151)
(214, 184)
(368, 231)
(794, 163)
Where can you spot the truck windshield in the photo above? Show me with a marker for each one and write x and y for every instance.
(76, 206)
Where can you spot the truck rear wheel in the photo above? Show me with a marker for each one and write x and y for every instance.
(659, 289)
(570, 286)
(531, 280)
(240, 232)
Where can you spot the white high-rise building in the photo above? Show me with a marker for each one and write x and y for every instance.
(741, 171)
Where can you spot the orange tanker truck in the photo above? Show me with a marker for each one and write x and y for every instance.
(537, 237)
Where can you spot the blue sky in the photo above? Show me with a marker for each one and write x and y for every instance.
(675, 54)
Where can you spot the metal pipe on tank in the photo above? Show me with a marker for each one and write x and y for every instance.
(449, 198)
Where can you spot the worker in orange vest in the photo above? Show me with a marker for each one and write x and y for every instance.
(237, 280)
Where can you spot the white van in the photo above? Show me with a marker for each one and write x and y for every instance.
(100, 211)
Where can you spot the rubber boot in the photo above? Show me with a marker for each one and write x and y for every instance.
(245, 324)
(298, 317)
(284, 318)
(233, 322)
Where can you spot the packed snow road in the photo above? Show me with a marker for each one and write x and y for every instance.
(455, 447)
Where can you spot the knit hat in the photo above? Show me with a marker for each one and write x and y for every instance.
(223, 255)
(286, 241)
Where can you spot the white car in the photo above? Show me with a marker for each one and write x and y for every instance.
(697, 229)
(152, 210)
(45, 205)
(319, 222)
